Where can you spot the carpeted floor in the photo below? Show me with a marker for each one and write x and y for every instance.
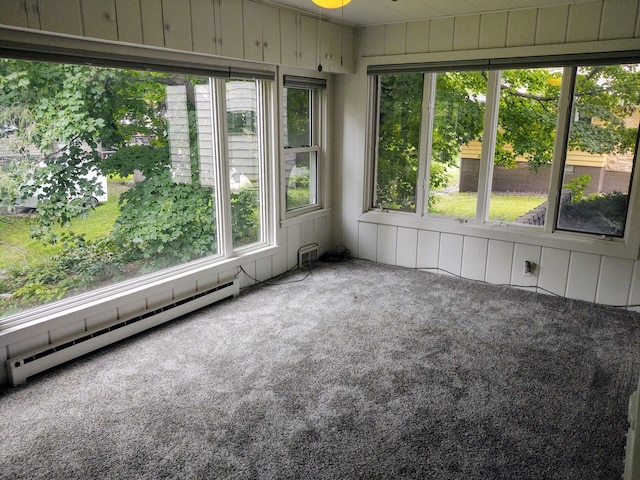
(358, 371)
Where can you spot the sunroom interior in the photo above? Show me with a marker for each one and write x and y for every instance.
(364, 75)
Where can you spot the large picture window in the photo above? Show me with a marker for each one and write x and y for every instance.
(488, 141)
(110, 173)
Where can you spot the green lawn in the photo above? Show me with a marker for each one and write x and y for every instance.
(18, 248)
(502, 207)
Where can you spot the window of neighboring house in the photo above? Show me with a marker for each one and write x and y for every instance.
(601, 150)
(246, 160)
(154, 140)
(487, 141)
(301, 126)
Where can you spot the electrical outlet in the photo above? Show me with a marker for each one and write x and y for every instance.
(528, 268)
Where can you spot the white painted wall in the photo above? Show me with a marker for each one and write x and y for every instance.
(564, 267)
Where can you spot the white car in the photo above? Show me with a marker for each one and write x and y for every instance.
(32, 201)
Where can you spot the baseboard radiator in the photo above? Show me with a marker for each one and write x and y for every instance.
(36, 361)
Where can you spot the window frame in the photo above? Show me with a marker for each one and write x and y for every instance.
(317, 86)
(43, 47)
(548, 236)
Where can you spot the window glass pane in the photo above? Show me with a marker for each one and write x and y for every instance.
(400, 110)
(600, 154)
(300, 178)
(455, 150)
(297, 117)
(106, 174)
(527, 119)
(244, 163)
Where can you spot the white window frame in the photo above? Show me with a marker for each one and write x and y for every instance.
(318, 146)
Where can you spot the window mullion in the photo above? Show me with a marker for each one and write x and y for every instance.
(490, 130)
(426, 139)
(223, 202)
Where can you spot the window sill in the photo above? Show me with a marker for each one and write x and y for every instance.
(507, 232)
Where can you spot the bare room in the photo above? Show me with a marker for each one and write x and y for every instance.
(319, 239)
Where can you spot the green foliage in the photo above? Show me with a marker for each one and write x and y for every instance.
(298, 191)
(245, 216)
(577, 186)
(64, 186)
(79, 265)
(604, 214)
(165, 222)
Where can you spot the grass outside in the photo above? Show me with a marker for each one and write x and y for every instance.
(504, 208)
(18, 248)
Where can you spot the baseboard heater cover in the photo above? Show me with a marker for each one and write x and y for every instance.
(36, 361)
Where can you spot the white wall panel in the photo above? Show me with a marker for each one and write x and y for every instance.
(474, 258)
(263, 269)
(129, 21)
(584, 270)
(520, 254)
(428, 249)
(521, 29)
(100, 318)
(634, 291)
(246, 277)
(99, 18)
(322, 230)
(614, 281)
(395, 38)
(62, 16)
(466, 32)
(133, 307)
(418, 36)
(184, 288)
(14, 12)
(554, 267)
(307, 233)
(293, 244)
(584, 22)
(67, 331)
(207, 281)
(176, 16)
(441, 35)
(618, 19)
(367, 241)
(552, 25)
(152, 26)
(450, 259)
(28, 344)
(387, 241)
(203, 26)
(493, 30)
(372, 43)
(499, 261)
(407, 246)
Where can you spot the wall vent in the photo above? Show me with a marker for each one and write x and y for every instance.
(36, 361)
(307, 255)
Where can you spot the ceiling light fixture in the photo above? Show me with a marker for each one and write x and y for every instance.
(331, 3)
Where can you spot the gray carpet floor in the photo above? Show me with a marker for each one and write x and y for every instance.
(358, 371)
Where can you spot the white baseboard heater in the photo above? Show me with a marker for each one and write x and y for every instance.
(36, 361)
(632, 453)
